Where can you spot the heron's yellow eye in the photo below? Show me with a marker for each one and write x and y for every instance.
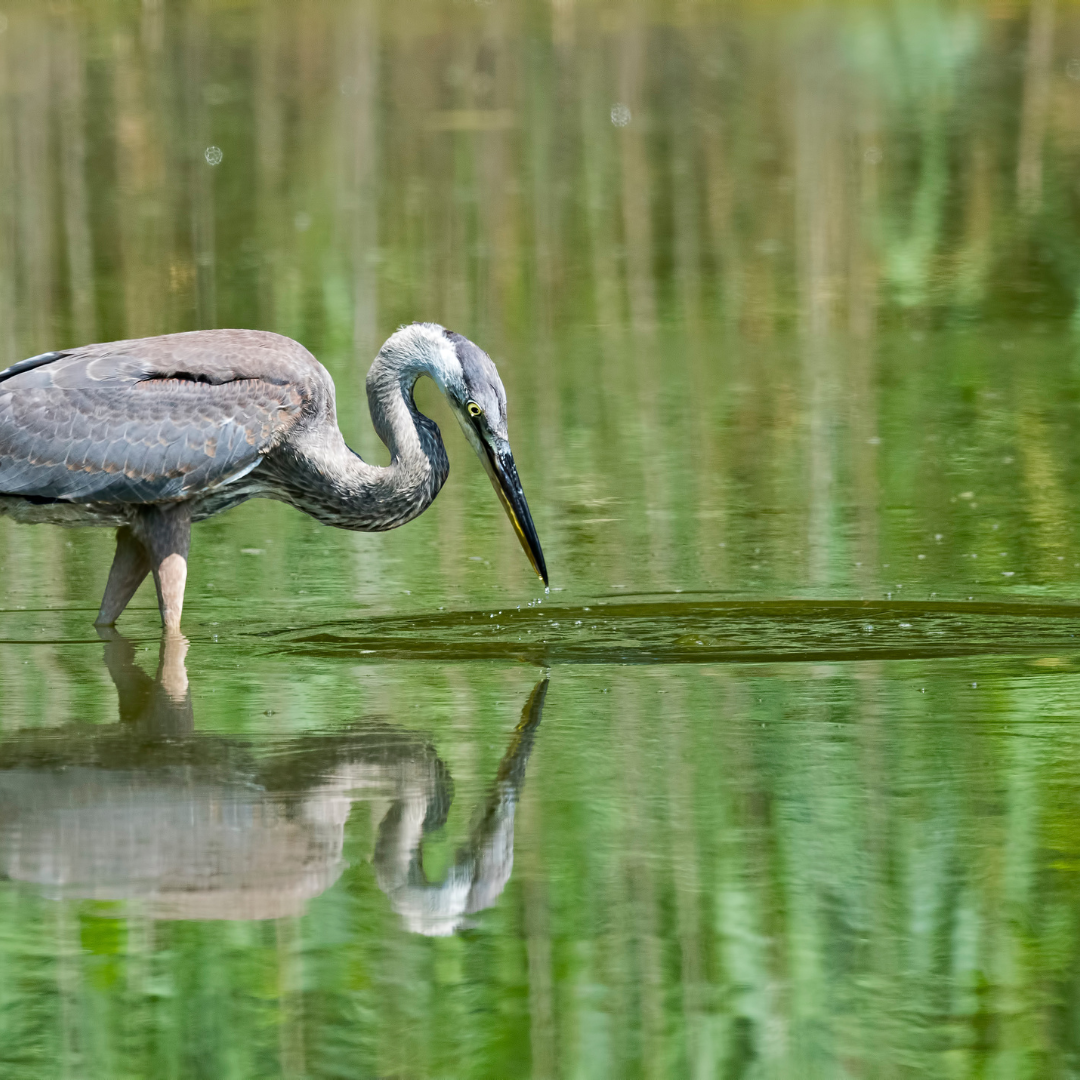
(474, 409)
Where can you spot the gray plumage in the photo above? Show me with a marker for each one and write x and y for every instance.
(183, 426)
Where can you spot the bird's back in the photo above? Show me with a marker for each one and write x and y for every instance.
(152, 419)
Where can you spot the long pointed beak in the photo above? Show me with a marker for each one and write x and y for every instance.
(499, 463)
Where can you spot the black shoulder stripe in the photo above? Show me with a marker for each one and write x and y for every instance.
(30, 364)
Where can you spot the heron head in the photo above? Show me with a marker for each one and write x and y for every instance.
(471, 383)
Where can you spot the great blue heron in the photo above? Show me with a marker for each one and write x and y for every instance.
(152, 434)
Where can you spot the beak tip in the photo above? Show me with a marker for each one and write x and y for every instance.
(503, 475)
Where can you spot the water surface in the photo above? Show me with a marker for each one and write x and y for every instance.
(781, 778)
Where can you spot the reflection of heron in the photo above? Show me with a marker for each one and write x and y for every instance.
(482, 867)
(199, 826)
(152, 434)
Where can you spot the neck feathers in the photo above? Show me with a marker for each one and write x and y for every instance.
(418, 463)
(414, 351)
(341, 489)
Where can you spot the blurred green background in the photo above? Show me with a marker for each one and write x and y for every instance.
(786, 298)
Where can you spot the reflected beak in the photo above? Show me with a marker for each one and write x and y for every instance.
(499, 463)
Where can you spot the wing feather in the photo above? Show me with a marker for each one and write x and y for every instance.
(150, 420)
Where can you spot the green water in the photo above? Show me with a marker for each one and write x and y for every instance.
(782, 778)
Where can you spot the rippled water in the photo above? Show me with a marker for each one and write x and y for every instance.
(781, 778)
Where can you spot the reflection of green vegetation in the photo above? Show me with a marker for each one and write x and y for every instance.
(914, 61)
(472, 173)
(759, 872)
(452, 167)
(810, 867)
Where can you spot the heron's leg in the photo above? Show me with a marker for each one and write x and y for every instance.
(131, 564)
(166, 533)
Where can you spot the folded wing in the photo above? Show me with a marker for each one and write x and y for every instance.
(149, 420)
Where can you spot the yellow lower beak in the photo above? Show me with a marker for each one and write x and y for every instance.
(499, 464)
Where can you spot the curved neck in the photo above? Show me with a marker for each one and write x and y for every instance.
(408, 434)
(418, 464)
(337, 487)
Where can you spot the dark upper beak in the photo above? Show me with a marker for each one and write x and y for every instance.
(500, 466)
